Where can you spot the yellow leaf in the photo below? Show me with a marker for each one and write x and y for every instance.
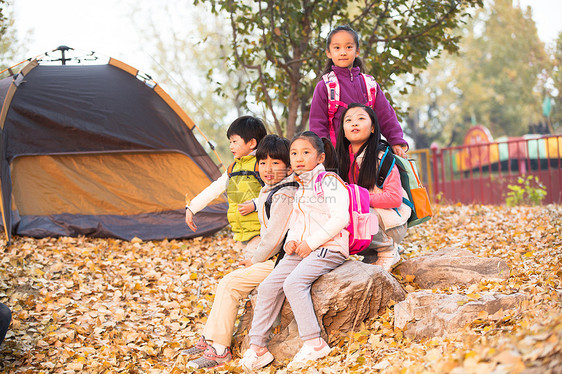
(473, 296)
(482, 314)
(64, 301)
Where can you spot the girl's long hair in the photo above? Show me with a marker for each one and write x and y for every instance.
(321, 145)
(330, 63)
(369, 167)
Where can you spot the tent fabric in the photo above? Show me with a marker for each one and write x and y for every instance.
(92, 150)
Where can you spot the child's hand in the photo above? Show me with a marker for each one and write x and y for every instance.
(290, 247)
(246, 263)
(246, 208)
(400, 150)
(189, 220)
(303, 250)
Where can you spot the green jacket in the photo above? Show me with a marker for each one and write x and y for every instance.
(243, 185)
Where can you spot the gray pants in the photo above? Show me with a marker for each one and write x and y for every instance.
(293, 276)
(384, 241)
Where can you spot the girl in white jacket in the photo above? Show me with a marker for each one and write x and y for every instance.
(359, 150)
(316, 244)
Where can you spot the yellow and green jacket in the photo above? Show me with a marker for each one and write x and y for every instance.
(241, 183)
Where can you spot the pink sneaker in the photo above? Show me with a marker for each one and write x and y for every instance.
(210, 359)
(197, 349)
(388, 260)
(251, 361)
(309, 353)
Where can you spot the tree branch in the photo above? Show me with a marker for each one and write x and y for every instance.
(269, 101)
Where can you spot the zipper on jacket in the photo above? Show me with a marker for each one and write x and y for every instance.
(304, 217)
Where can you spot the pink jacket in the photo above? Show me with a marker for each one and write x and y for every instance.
(387, 202)
(320, 220)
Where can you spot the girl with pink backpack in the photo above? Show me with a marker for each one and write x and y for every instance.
(316, 243)
(343, 83)
(360, 149)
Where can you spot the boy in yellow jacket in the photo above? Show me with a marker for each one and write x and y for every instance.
(241, 183)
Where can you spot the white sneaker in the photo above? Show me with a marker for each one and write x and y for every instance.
(309, 353)
(387, 260)
(251, 361)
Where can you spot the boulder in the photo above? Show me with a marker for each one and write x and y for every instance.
(343, 298)
(424, 314)
(449, 266)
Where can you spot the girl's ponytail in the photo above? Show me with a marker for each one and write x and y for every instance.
(331, 160)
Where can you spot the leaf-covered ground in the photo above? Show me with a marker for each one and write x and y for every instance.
(111, 306)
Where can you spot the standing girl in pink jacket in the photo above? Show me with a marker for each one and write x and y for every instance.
(359, 151)
(316, 244)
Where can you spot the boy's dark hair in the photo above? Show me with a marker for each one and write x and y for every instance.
(368, 172)
(275, 147)
(248, 128)
(349, 29)
(323, 145)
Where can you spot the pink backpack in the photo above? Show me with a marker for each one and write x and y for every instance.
(362, 224)
(333, 87)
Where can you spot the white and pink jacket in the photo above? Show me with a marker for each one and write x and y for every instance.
(320, 219)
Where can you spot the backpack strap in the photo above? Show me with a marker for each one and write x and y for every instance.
(385, 166)
(269, 199)
(268, 202)
(333, 88)
(371, 88)
(317, 185)
(254, 173)
(229, 169)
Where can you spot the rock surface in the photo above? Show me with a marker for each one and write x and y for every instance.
(449, 266)
(425, 314)
(342, 299)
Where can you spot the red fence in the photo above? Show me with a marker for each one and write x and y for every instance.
(480, 173)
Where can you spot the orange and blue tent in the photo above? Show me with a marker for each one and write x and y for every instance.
(99, 150)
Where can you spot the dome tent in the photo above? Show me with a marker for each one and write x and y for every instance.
(99, 150)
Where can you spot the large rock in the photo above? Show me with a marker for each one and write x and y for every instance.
(449, 266)
(425, 314)
(342, 299)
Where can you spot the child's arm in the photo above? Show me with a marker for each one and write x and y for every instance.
(275, 230)
(318, 118)
(390, 127)
(247, 207)
(391, 194)
(336, 198)
(203, 199)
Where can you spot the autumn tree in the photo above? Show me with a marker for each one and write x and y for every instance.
(495, 80)
(2, 18)
(280, 45)
(556, 116)
(11, 44)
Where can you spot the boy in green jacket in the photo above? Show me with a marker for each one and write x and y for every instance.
(241, 183)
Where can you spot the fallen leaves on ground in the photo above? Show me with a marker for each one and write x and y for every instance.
(85, 305)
